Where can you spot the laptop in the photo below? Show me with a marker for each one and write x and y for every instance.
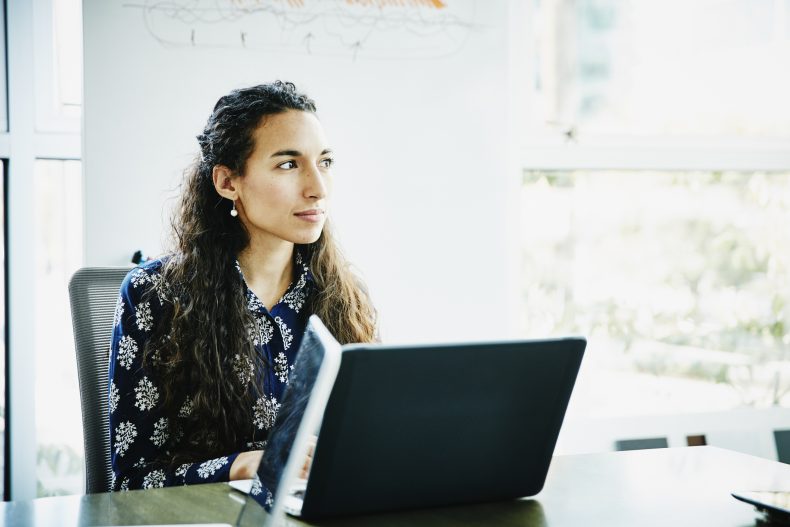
(397, 427)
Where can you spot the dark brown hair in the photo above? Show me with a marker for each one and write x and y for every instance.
(206, 319)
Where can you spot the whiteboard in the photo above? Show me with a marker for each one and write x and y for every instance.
(413, 95)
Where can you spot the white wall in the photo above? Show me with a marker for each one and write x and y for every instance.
(418, 116)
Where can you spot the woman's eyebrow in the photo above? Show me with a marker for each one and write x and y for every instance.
(296, 153)
(289, 153)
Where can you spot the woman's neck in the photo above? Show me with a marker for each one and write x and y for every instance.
(268, 268)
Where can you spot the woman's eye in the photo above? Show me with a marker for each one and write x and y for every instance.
(287, 165)
(326, 163)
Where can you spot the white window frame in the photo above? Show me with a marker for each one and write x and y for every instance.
(660, 155)
(22, 144)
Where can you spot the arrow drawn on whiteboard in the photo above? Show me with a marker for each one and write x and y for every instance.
(356, 46)
(307, 40)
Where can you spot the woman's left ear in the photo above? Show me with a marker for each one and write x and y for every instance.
(223, 178)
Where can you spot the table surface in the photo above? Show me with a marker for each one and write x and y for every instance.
(679, 486)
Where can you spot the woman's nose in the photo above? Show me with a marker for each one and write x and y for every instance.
(316, 186)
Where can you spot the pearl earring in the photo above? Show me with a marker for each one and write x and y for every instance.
(233, 211)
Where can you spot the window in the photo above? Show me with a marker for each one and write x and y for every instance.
(672, 265)
(58, 236)
(679, 280)
(60, 454)
(58, 68)
(712, 68)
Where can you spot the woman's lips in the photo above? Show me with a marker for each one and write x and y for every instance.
(313, 216)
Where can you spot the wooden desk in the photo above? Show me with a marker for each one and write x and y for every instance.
(685, 486)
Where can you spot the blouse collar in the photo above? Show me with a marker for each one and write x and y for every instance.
(304, 281)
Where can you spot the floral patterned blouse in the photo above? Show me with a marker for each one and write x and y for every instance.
(138, 427)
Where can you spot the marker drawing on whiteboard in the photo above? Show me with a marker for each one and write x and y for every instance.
(358, 29)
(356, 46)
(307, 40)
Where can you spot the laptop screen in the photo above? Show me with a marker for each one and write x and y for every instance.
(297, 422)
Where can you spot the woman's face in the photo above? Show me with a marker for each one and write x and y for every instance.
(285, 187)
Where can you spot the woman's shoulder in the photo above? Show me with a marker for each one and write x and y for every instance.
(144, 277)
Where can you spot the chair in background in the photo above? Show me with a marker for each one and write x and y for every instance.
(641, 444)
(782, 440)
(93, 293)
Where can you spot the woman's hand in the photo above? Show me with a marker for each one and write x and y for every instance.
(246, 465)
(308, 462)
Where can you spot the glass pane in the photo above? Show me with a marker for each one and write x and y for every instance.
(664, 67)
(67, 22)
(680, 281)
(59, 238)
(58, 65)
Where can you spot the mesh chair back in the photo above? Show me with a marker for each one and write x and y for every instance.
(93, 293)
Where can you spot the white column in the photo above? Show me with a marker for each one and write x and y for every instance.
(20, 417)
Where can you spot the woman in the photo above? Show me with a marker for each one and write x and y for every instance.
(205, 338)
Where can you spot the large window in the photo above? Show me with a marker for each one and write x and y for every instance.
(40, 109)
(58, 236)
(679, 280)
(676, 264)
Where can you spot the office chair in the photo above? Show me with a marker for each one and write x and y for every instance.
(93, 292)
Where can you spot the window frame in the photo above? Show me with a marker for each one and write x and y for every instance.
(659, 154)
(21, 145)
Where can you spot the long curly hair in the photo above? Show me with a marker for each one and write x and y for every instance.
(206, 320)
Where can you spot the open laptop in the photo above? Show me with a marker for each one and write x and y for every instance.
(298, 419)
(416, 426)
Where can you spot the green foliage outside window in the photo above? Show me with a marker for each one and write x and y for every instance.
(674, 274)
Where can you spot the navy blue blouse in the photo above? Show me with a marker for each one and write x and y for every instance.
(138, 427)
